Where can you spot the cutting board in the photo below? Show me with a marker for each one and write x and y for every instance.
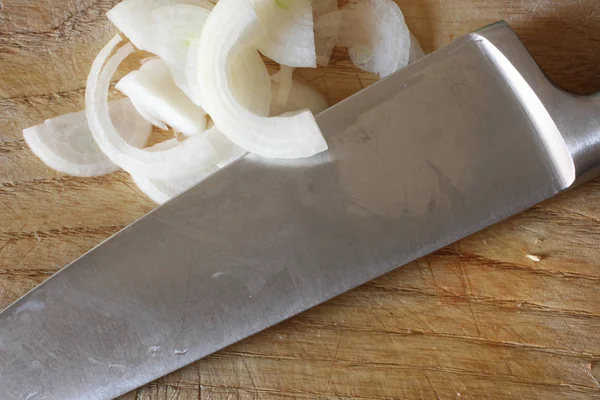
(512, 312)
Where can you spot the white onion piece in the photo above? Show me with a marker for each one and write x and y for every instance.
(194, 154)
(277, 137)
(160, 101)
(301, 97)
(375, 33)
(161, 191)
(324, 47)
(148, 115)
(227, 150)
(289, 37)
(248, 76)
(327, 32)
(324, 44)
(178, 27)
(322, 7)
(249, 81)
(163, 27)
(65, 143)
(284, 78)
(150, 188)
(135, 19)
(416, 52)
(251, 86)
(148, 59)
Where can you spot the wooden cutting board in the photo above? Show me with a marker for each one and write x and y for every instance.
(513, 312)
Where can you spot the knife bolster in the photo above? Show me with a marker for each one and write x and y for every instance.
(576, 117)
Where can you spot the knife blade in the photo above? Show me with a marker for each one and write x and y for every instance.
(466, 137)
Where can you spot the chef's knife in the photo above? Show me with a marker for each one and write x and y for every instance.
(469, 135)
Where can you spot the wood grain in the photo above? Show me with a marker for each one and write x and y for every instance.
(478, 319)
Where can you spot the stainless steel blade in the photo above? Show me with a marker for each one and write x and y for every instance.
(462, 139)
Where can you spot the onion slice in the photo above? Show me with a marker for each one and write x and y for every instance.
(163, 27)
(289, 136)
(248, 78)
(227, 150)
(322, 7)
(284, 79)
(250, 81)
(325, 37)
(157, 98)
(416, 52)
(65, 143)
(301, 96)
(161, 191)
(289, 37)
(374, 31)
(193, 154)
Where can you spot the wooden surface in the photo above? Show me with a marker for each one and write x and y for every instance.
(476, 320)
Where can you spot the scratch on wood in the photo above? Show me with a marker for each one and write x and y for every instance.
(504, 303)
(11, 146)
(475, 339)
(482, 261)
(83, 21)
(431, 387)
(103, 231)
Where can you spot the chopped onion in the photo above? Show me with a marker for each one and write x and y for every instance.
(249, 81)
(289, 37)
(65, 143)
(327, 32)
(324, 41)
(161, 191)
(301, 96)
(160, 101)
(148, 59)
(194, 154)
(285, 85)
(248, 78)
(227, 150)
(210, 54)
(163, 27)
(178, 27)
(322, 7)
(374, 31)
(324, 46)
(416, 52)
(289, 136)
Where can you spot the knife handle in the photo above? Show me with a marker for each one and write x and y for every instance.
(576, 117)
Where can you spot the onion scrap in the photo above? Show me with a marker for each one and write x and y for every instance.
(284, 79)
(374, 31)
(162, 190)
(65, 143)
(156, 97)
(289, 37)
(322, 7)
(301, 96)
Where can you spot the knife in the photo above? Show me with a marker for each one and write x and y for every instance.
(463, 138)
